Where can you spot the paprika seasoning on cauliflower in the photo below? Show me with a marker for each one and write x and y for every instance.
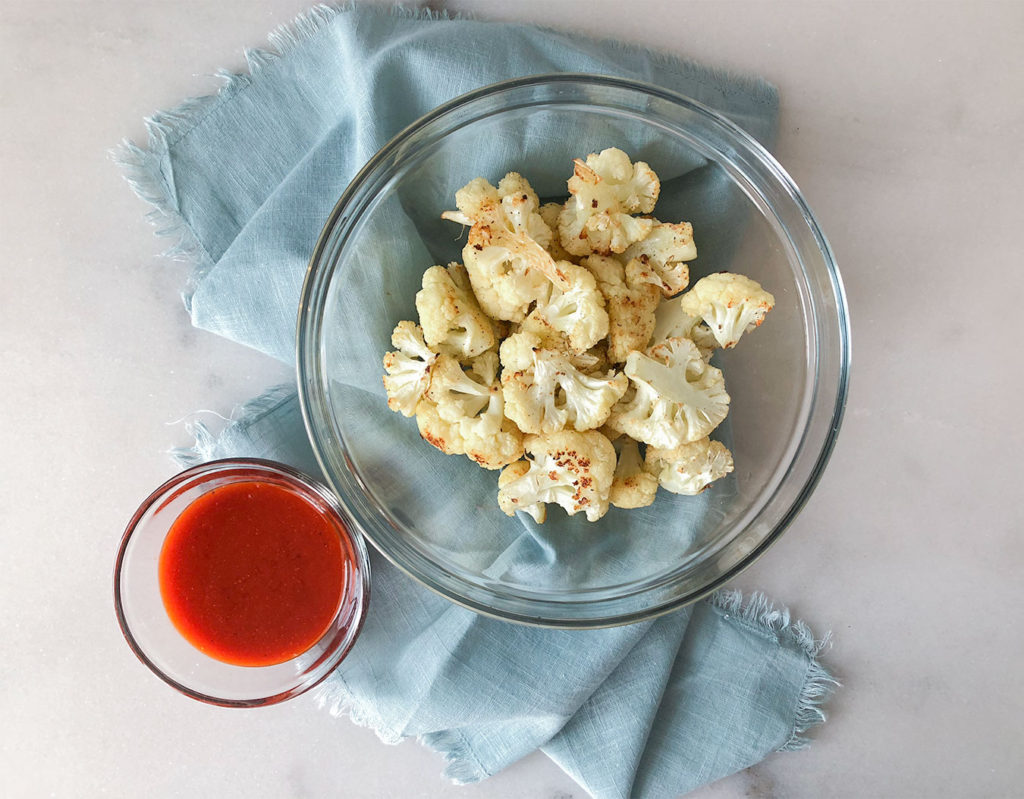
(450, 316)
(564, 330)
(545, 393)
(508, 267)
(606, 189)
(573, 470)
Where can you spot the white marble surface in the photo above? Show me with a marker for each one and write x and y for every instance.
(902, 122)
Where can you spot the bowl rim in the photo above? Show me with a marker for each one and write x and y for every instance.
(816, 470)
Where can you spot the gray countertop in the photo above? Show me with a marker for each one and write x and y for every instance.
(902, 123)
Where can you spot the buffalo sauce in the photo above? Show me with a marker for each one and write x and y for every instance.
(252, 574)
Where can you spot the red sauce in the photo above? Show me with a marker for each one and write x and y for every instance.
(252, 574)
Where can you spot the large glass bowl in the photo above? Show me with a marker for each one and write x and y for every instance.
(436, 516)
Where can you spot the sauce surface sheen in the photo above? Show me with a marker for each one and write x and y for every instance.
(252, 574)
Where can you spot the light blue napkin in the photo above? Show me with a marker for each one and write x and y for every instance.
(245, 180)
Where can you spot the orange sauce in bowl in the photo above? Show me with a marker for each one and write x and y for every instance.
(252, 574)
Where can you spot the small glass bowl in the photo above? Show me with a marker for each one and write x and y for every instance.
(152, 635)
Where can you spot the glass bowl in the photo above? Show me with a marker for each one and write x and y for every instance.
(436, 516)
(152, 635)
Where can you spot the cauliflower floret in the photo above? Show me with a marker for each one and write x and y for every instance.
(522, 206)
(408, 368)
(605, 190)
(671, 321)
(677, 396)
(691, 467)
(467, 412)
(450, 316)
(630, 301)
(545, 393)
(438, 432)
(460, 394)
(663, 254)
(590, 362)
(490, 438)
(577, 313)
(504, 254)
(573, 470)
(503, 292)
(632, 486)
(549, 212)
(729, 304)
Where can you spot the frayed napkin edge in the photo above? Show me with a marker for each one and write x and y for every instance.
(147, 168)
(461, 766)
(819, 685)
(755, 611)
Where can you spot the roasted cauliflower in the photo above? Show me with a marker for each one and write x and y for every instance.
(606, 189)
(509, 269)
(450, 316)
(631, 302)
(664, 254)
(690, 467)
(632, 485)
(550, 212)
(729, 304)
(676, 396)
(573, 470)
(408, 368)
(463, 413)
(575, 314)
(567, 327)
(671, 321)
(545, 393)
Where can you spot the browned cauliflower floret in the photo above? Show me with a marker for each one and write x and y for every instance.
(630, 301)
(691, 467)
(632, 486)
(465, 410)
(663, 254)
(451, 318)
(408, 368)
(573, 470)
(606, 190)
(438, 432)
(729, 304)
(508, 266)
(576, 313)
